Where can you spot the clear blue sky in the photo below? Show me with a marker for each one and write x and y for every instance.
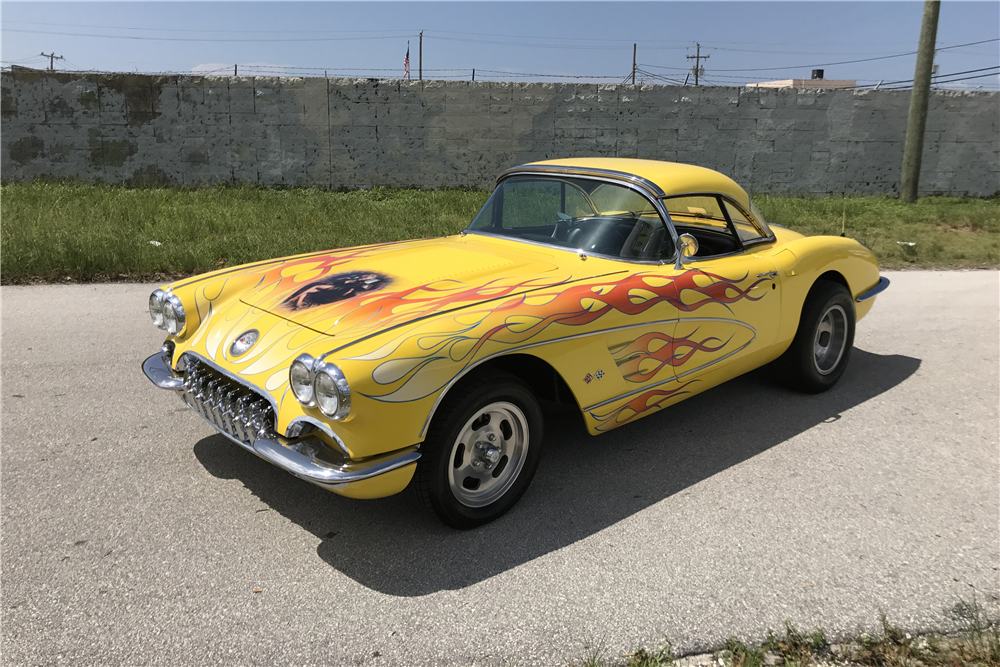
(746, 41)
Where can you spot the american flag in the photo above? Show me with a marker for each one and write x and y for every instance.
(406, 62)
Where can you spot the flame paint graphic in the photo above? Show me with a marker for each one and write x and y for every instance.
(518, 320)
(673, 352)
(638, 406)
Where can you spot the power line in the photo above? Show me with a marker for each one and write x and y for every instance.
(938, 76)
(845, 62)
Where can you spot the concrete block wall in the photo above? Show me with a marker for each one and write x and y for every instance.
(359, 133)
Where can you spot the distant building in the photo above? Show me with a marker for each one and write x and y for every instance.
(817, 81)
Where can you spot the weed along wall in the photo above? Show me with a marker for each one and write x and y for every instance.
(358, 133)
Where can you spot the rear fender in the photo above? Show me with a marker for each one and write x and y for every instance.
(804, 261)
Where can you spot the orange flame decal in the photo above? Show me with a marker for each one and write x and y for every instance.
(672, 352)
(650, 400)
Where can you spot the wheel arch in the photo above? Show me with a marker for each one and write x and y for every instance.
(539, 375)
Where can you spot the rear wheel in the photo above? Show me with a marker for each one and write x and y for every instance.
(481, 451)
(823, 343)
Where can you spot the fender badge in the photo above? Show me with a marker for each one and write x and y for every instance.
(243, 344)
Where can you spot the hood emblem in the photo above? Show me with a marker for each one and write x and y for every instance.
(243, 344)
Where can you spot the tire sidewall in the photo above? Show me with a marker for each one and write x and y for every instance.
(459, 407)
(825, 295)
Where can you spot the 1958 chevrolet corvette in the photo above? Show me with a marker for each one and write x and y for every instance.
(618, 286)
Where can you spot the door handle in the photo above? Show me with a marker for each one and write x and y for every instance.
(769, 274)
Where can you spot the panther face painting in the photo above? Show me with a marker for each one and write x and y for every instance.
(335, 288)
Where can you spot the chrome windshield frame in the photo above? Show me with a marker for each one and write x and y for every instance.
(645, 188)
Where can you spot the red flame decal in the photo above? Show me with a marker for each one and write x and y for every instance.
(641, 404)
(673, 352)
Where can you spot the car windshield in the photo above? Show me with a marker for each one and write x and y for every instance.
(585, 215)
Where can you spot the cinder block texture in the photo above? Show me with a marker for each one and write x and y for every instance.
(359, 133)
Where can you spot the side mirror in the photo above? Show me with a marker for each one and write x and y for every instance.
(687, 245)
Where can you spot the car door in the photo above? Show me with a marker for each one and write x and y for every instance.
(729, 295)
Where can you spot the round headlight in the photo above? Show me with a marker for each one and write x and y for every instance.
(169, 317)
(327, 396)
(300, 379)
(173, 315)
(156, 308)
(331, 391)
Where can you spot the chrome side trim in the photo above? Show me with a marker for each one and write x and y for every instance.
(562, 283)
(685, 373)
(883, 283)
(465, 371)
(326, 475)
(159, 372)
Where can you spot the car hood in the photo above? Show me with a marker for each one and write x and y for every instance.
(351, 294)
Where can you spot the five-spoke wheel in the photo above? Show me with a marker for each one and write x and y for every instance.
(481, 450)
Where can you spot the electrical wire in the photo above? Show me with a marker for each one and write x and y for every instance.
(936, 76)
(845, 62)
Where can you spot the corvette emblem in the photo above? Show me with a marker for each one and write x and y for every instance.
(242, 344)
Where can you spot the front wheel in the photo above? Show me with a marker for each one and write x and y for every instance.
(481, 451)
(824, 340)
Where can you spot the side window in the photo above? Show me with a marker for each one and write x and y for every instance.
(702, 217)
(744, 227)
(614, 199)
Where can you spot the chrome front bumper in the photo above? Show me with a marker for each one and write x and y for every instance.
(247, 418)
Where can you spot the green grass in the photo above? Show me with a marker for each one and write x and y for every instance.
(946, 232)
(98, 232)
(59, 231)
(977, 644)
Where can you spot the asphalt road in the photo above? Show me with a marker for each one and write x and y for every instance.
(131, 535)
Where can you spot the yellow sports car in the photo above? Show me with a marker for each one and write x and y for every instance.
(617, 286)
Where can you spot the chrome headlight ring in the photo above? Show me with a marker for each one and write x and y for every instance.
(173, 314)
(301, 381)
(156, 308)
(326, 387)
(167, 312)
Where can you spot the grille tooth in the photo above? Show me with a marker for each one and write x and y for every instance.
(233, 408)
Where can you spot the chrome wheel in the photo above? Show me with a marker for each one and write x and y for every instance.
(488, 454)
(831, 340)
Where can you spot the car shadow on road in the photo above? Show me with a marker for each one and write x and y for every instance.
(582, 486)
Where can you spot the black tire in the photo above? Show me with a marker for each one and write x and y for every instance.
(822, 346)
(467, 484)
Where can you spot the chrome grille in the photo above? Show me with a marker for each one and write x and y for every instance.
(233, 408)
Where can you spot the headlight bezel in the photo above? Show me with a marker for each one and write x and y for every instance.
(305, 361)
(158, 302)
(321, 371)
(180, 317)
(156, 308)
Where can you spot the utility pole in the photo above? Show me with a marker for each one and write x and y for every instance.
(916, 121)
(52, 58)
(633, 64)
(420, 57)
(697, 63)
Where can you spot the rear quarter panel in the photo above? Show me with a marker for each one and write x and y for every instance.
(805, 260)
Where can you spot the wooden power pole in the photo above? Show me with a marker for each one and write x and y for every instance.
(633, 64)
(916, 121)
(52, 59)
(697, 63)
(420, 57)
